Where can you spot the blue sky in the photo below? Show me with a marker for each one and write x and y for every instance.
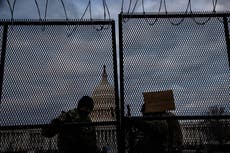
(29, 93)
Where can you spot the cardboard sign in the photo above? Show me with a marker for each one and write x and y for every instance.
(158, 101)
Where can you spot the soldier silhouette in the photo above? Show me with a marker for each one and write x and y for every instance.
(158, 135)
(72, 137)
(155, 133)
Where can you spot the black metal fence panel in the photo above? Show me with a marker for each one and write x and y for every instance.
(48, 67)
(190, 58)
(1, 31)
(187, 54)
(47, 72)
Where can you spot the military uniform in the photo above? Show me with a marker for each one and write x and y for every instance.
(73, 138)
(161, 135)
(165, 135)
(153, 136)
(175, 134)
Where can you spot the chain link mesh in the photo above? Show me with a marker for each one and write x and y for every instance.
(1, 31)
(47, 70)
(190, 59)
(189, 56)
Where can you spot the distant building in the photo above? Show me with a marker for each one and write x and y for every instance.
(104, 111)
(193, 133)
(23, 140)
(104, 99)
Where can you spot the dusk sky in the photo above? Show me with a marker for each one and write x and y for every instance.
(40, 79)
(25, 9)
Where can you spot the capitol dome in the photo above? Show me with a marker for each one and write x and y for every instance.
(104, 99)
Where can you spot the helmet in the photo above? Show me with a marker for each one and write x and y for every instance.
(86, 101)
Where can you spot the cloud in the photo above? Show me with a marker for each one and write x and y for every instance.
(189, 58)
(46, 71)
(198, 100)
(25, 9)
(223, 5)
(65, 60)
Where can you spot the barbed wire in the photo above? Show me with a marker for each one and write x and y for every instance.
(194, 19)
(46, 9)
(39, 15)
(214, 4)
(182, 19)
(163, 3)
(11, 7)
(106, 12)
(156, 19)
(132, 6)
(129, 8)
(88, 8)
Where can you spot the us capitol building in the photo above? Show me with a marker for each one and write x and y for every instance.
(104, 111)
(30, 140)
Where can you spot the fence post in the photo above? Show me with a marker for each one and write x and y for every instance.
(3, 54)
(226, 30)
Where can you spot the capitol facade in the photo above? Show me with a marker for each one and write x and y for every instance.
(104, 111)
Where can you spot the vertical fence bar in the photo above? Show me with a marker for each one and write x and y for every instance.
(226, 30)
(122, 128)
(116, 79)
(3, 54)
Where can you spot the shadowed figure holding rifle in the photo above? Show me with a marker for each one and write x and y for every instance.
(74, 138)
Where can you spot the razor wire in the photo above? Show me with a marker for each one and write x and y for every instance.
(88, 9)
(11, 7)
(182, 19)
(163, 4)
(46, 9)
(194, 19)
(106, 11)
(132, 6)
(214, 4)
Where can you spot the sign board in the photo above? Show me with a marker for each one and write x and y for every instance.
(158, 101)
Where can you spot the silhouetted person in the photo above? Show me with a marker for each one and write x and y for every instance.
(74, 138)
(156, 136)
(165, 136)
(175, 134)
(145, 135)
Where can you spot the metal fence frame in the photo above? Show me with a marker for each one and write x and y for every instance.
(119, 98)
(121, 18)
(99, 23)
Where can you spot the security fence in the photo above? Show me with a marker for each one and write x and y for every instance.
(46, 66)
(187, 54)
(29, 138)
